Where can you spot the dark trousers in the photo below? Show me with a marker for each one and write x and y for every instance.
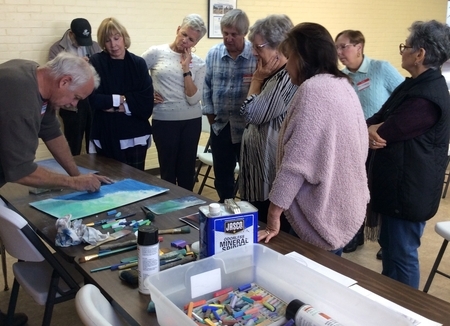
(176, 143)
(132, 156)
(225, 155)
(76, 125)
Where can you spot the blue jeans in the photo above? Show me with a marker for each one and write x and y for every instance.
(225, 155)
(400, 240)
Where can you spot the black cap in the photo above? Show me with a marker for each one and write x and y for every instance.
(292, 308)
(147, 235)
(82, 31)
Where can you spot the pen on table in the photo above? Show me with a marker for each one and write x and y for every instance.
(103, 254)
(108, 220)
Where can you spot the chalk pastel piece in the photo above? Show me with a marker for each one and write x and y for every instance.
(216, 315)
(250, 322)
(245, 287)
(151, 307)
(223, 291)
(189, 310)
(111, 212)
(221, 306)
(222, 298)
(109, 225)
(246, 299)
(119, 214)
(209, 322)
(198, 318)
(178, 244)
(268, 306)
(256, 297)
(238, 314)
(290, 322)
(246, 317)
(208, 307)
(228, 309)
(252, 311)
(228, 322)
(196, 304)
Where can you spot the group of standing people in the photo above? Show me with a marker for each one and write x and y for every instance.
(311, 140)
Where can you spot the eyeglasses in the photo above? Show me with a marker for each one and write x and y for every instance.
(258, 47)
(402, 47)
(342, 47)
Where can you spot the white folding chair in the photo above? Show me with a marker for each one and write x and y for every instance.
(93, 308)
(43, 275)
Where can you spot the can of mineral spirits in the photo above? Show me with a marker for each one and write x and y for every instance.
(221, 229)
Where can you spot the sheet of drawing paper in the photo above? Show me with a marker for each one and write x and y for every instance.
(52, 165)
(82, 204)
(175, 204)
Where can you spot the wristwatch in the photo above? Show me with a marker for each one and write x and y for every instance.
(187, 74)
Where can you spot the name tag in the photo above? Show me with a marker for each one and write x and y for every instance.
(363, 84)
(247, 79)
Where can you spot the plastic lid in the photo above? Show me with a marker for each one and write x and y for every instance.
(292, 308)
(147, 235)
(214, 209)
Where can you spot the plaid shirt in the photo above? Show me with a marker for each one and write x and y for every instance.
(226, 87)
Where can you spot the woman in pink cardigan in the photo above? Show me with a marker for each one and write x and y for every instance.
(321, 182)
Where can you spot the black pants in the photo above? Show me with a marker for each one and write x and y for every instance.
(76, 125)
(176, 143)
(225, 155)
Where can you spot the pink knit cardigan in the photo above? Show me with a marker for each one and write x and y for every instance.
(321, 179)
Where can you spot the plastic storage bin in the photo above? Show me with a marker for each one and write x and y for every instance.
(172, 289)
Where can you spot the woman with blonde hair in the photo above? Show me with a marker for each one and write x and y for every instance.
(123, 103)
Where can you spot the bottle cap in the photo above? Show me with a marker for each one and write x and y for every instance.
(292, 308)
(214, 209)
(147, 235)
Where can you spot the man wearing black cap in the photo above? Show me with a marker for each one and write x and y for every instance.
(77, 121)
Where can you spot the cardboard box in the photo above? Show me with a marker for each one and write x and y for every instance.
(285, 278)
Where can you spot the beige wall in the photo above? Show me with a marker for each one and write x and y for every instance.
(29, 27)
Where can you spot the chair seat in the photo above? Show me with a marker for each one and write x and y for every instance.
(443, 229)
(200, 150)
(207, 158)
(26, 273)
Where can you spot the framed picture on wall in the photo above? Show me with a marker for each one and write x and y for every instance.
(216, 10)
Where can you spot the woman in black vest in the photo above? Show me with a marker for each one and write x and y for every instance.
(409, 139)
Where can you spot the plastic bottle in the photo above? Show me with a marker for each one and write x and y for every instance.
(148, 254)
(305, 315)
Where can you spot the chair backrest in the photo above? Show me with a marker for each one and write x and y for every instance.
(93, 308)
(16, 242)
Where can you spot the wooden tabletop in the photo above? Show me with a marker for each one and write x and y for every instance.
(132, 305)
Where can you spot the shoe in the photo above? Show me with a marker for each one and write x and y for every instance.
(380, 254)
(351, 246)
(19, 319)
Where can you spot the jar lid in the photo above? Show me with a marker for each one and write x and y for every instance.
(147, 235)
(214, 209)
(292, 308)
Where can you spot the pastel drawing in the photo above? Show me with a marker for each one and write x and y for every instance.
(82, 204)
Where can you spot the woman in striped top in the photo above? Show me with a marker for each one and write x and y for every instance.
(264, 111)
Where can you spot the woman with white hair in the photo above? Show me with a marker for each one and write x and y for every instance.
(178, 76)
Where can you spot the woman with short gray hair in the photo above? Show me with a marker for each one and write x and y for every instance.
(264, 111)
(178, 75)
(409, 138)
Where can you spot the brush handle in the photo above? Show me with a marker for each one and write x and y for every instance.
(103, 254)
(108, 239)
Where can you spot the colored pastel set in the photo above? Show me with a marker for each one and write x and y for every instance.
(249, 304)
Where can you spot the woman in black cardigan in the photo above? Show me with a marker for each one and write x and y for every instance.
(123, 103)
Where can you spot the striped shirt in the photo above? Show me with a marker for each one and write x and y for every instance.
(264, 114)
(226, 86)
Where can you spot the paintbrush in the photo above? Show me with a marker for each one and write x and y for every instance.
(111, 237)
(184, 229)
(103, 254)
(110, 219)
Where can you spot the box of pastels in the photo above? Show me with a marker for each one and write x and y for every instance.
(251, 285)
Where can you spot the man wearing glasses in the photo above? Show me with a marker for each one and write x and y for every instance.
(229, 70)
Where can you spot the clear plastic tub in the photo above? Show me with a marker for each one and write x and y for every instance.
(174, 288)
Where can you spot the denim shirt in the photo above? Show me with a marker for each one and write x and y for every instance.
(226, 86)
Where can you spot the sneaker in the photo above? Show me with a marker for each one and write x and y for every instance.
(19, 319)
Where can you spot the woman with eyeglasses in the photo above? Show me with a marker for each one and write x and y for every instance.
(374, 81)
(264, 110)
(320, 182)
(178, 75)
(409, 137)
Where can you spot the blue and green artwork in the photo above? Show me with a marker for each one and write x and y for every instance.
(82, 204)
